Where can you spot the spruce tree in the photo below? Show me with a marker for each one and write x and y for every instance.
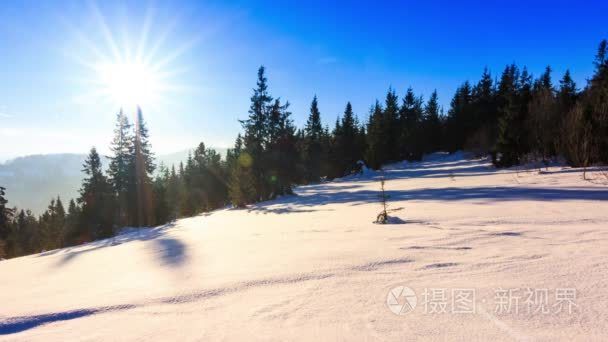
(141, 193)
(391, 125)
(432, 124)
(5, 214)
(173, 194)
(242, 187)
(313, 133)
(256, 134)
(58, 224)
(411, 137)
(542, 121)
(481, 129)
(377, 148)
(5, 223)
(460, 120)
(565, 100)
(281, 152)
(72, 222)
(121, 167)
(162, 212)
(513, 95)
(97, 201)
(596, 104)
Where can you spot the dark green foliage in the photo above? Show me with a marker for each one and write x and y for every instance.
(377, 148)
(431, 125)
(411, 141)
(255, 138)
(543, 121)
(267, 162)
(392, 128)
(514, 94)
(242, 187)
(162, 211)
(5, 224)
(72, 224)
(121, 167)
(97, 202)
(347, 147)
(141, 195)
(312, 147)
(52, 225)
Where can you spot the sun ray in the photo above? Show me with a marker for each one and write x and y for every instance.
(177, 53)
(105, 30)
(145, 31)
(130, 69)
(162, 38)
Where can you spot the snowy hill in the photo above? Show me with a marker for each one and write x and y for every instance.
(315, 267)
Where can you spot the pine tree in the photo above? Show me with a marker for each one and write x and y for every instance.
(513, 94)
(58, 224)
(5, 223)
(411, 138)
(281, 149)
(29, 236)
(72, 222)
(566, 98)
(567, 93)
(481, 128)
(162, 211)
(256, 133)
(242, 188)
(5, 214)
(377, 148)
(542, 121)
(391, 125)
(173, 194)
(596, 104)
(121, 167)
(346, 151)
(313, 134)
(460, 120)
(141, 193)
(97, 201)
(187, 199)
(432, 124)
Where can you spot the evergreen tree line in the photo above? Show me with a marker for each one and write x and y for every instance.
(515, 119)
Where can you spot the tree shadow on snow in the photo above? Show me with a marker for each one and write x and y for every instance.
(173, 251)
(18, 324)
(489, 194)
(136, 234)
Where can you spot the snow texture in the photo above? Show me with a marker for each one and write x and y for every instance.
(314, 266)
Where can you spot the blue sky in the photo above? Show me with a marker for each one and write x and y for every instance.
(341, 51)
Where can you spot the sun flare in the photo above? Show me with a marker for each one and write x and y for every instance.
(121, 72)
(129, 84)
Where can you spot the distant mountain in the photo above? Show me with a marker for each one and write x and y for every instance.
(32, 181)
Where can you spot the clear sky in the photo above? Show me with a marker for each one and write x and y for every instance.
(205, 55)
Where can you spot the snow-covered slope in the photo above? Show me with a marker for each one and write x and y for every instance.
(315, 267)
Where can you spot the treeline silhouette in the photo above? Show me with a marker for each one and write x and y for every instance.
(515, 119)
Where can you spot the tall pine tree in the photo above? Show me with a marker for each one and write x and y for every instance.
(97, 201)
(121, 167)
(313, 149)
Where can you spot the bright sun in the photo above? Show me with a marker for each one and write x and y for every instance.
(129, 84)
(128, 73)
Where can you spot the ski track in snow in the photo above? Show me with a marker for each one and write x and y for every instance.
(314, 266)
